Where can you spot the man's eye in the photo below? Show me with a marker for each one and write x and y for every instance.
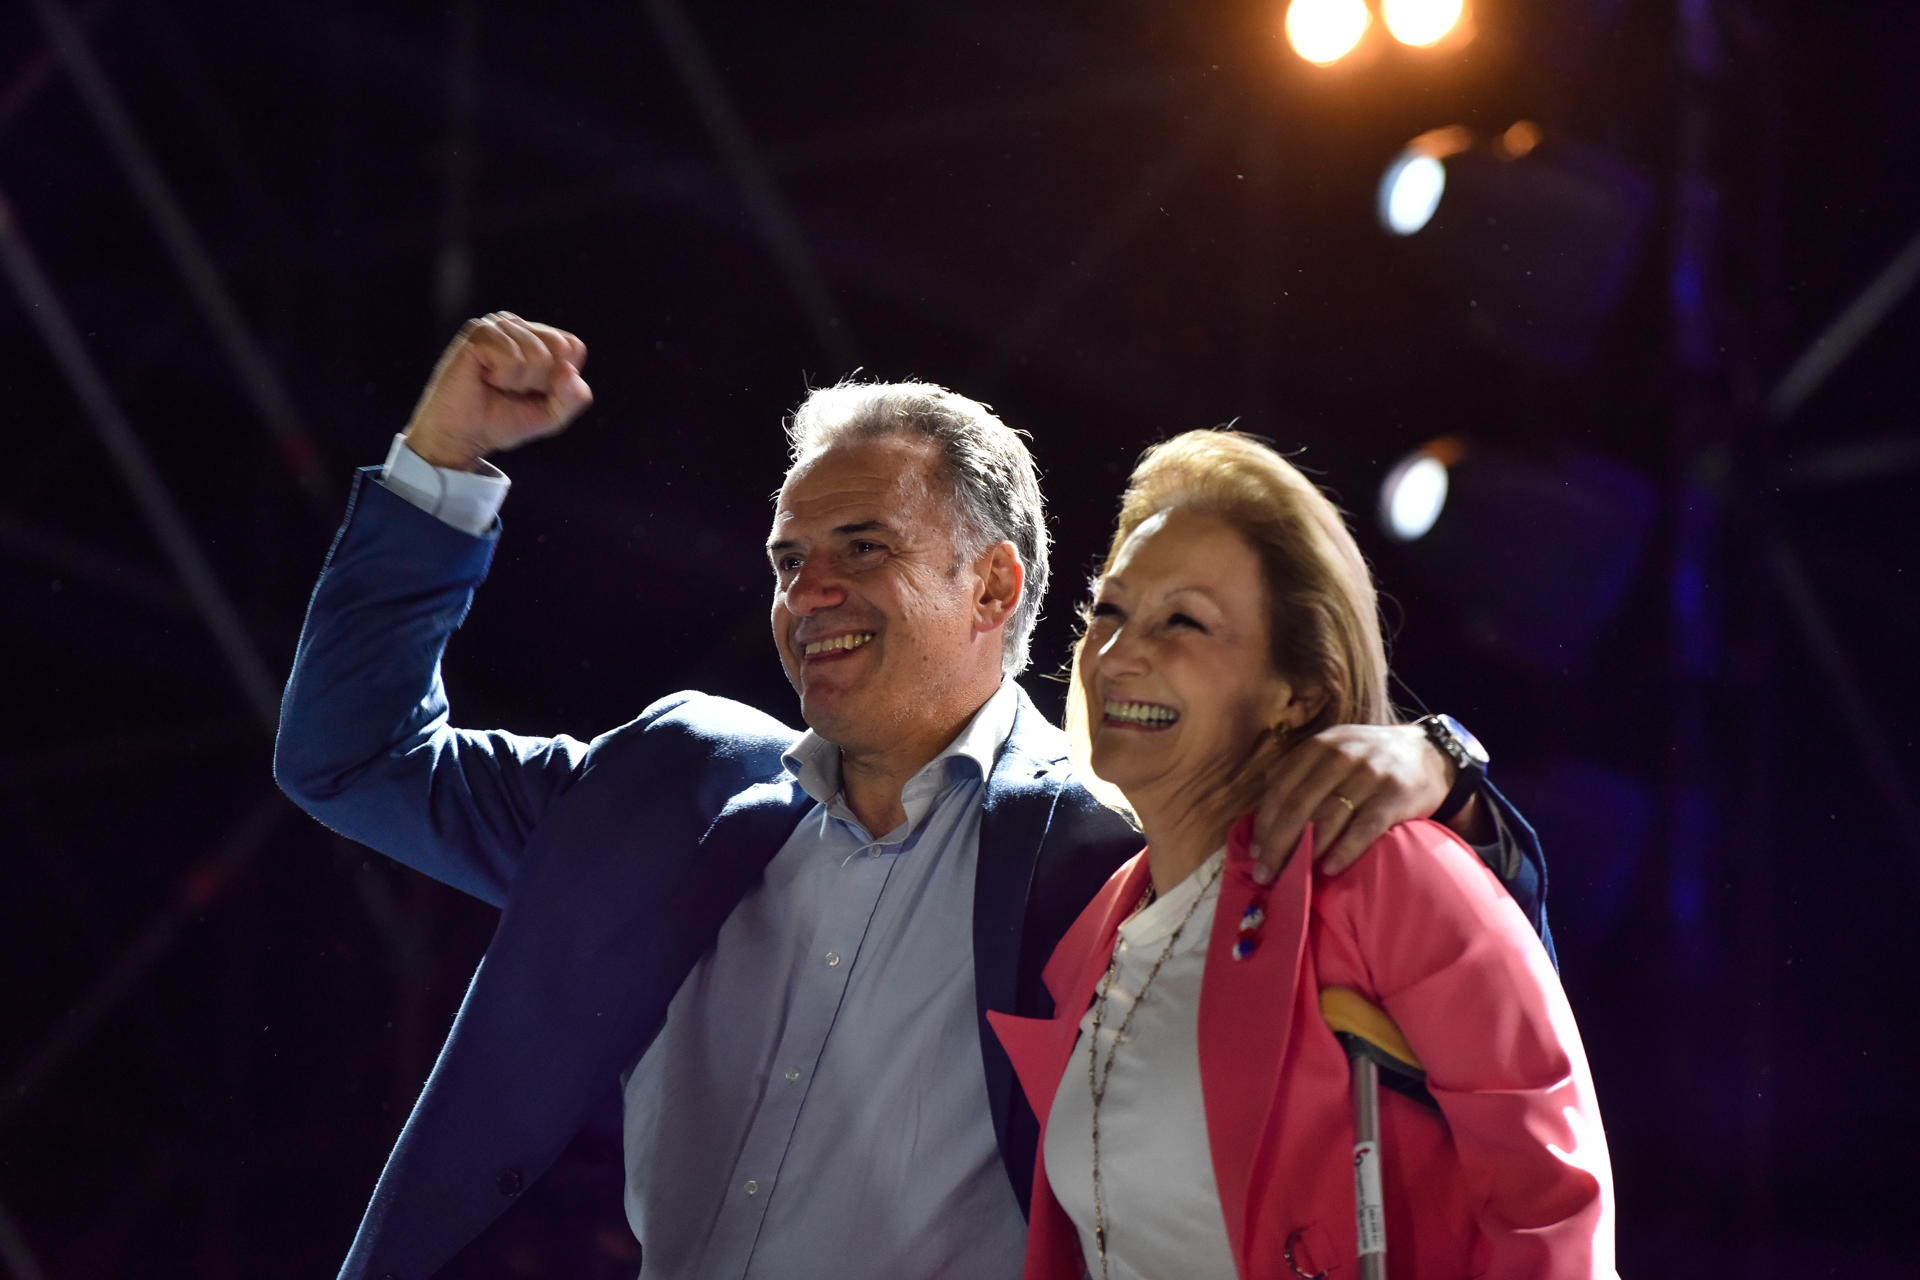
(786, 564)
(865, 548)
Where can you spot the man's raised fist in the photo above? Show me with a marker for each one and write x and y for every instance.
(501, 382)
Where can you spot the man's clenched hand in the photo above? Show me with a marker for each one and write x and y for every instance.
(501, 382)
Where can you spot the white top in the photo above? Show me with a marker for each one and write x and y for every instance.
(1159, 1200)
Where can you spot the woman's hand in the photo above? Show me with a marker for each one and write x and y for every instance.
(1351, 781)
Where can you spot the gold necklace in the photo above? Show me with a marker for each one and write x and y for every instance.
(1097, 1078)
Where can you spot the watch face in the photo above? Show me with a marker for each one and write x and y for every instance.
(1463, 741)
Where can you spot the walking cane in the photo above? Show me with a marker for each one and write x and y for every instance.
(1379, 1054)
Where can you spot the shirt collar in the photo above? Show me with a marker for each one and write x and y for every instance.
(815, 762)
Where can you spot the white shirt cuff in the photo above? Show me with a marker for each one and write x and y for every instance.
(467, 500)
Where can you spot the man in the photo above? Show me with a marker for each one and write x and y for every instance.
(783, 944)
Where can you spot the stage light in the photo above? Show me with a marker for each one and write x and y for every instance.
(1410, 192)
(1411, 188)
(1521, 137)
(1535, 234)
(1422, 22)
(1325, 31)
(1534, 552)
(1414, 494)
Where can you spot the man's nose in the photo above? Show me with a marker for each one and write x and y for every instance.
(813, 588)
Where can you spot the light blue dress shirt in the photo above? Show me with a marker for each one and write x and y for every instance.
(815, 1104)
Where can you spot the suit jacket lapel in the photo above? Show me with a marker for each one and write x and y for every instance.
(753, 827)
(1046, 848)
(1041, 1048)
(1246, 1021)
(1018, 809)
(1015, 815)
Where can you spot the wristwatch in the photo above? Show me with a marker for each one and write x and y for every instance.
(1469, 759)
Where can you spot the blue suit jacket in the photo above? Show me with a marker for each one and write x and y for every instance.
(614, 862)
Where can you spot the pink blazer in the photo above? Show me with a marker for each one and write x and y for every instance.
(1515, 1180)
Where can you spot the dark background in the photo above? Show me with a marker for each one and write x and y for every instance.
(1677, 602)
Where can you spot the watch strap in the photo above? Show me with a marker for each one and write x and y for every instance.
(1469, 765)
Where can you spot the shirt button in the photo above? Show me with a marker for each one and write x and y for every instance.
(792, 1074)
(833, 958)
(753, 1188)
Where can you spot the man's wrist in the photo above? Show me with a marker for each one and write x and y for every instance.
(1464, 753)
(439, 451)
(467, 500)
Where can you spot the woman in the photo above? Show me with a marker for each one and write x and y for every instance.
(1195, 1108)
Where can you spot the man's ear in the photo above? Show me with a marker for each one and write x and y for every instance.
(1002, 578)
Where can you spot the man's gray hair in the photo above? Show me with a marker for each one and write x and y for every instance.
(990, 474)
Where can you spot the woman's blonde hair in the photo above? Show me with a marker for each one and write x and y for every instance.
(1323, 617)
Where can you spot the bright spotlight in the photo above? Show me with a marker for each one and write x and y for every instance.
(1411, 188)
(1410, 191)
(1541, 233)
(1421, 22)
(1325, 31)
(1535, 554)
(1413, 495)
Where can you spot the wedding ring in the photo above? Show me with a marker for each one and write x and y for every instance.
(1343, 800)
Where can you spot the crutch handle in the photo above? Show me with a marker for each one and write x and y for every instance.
(1365, 1030)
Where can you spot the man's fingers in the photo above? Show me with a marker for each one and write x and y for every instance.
(1297, 792)
(494, 351)
(1331, 818)
(1352, 782)
(536, 365)
(1335, 818)
(536, 362)
(557, 344)
(1277, 825)
(561, 345)
(501, 382)
(531, 371)
(570, 394)
(1295, 765)
(1368, 823)
(1294, 795)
